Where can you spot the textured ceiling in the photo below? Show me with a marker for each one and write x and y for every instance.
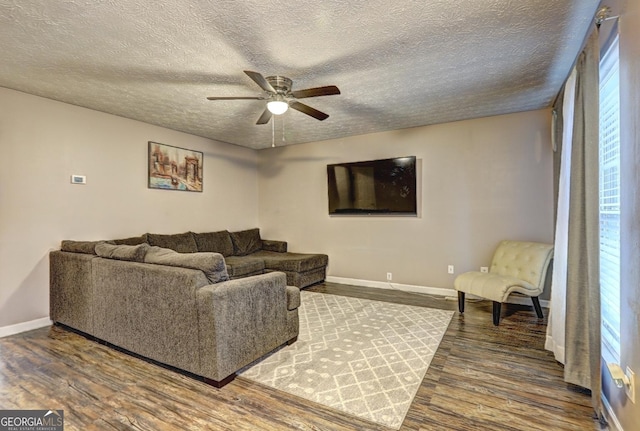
(398, 64)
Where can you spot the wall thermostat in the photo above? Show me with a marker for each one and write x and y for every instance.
(78, 179)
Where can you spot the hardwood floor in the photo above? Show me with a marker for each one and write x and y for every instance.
(481, 378)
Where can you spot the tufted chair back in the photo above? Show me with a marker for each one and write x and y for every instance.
(526, 261)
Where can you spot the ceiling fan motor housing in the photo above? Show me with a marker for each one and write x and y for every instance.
(281, 84)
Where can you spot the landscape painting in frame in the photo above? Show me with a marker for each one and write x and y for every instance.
(173, 168)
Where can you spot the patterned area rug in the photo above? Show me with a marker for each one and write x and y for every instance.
(365, 358)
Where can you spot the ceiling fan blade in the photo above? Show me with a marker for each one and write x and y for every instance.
(235, 98)
(265, 117)
(306, 109)
(260, 80)
(329, 90)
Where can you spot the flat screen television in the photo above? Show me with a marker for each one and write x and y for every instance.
(385, 186)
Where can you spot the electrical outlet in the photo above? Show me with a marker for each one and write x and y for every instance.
(484, 269)
(389, 276)
(630, 389)
(450, 269)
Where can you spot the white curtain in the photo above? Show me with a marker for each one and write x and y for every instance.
(557, 309)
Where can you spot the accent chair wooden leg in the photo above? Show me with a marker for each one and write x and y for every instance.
(536, 305)
(496, 312)
(461, 301)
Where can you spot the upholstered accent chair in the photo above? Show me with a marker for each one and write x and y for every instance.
(517, 266)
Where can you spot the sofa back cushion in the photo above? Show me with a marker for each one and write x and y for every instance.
(214, 242)
(134, 240)
(211, 264)
(246, 242)
(180, 242)
(134, 253)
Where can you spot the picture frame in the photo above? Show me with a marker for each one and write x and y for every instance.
(174, 168)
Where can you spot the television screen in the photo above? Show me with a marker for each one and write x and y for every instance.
(374, 187)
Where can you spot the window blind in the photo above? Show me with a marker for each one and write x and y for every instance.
(609, 200)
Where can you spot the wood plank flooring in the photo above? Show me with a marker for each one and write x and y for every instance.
(481, 378)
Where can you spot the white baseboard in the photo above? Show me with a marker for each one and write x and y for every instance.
(451, 293)
(6, 331)
(393, 286)
(610, 416)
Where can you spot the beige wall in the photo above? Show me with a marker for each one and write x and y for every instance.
(629, 27)
(43, 142)
(480, 181)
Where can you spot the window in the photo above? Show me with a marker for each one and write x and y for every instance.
(609, 198)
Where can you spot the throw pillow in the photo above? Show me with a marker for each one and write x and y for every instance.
(134, 253)
(246, 242)
(217, 242)
(180, 242)
(211, 264)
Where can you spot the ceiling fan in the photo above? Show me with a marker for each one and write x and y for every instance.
(280, 97)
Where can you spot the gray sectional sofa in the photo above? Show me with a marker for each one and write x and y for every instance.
(191, 309)
(245, 253)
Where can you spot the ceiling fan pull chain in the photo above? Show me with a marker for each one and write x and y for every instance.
(273, 133)
(283, 141)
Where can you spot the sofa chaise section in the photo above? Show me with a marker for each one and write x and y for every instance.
(246, 254)
(301, 269)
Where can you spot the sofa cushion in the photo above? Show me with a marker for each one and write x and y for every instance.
(246, 241)
(293, 262)
(240, 266)
(133, 240)
(217, 242)
(180, 242)
(133, 253)
(211, 264)
(86, 247)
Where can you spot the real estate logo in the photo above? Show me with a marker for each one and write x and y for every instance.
(31, 420)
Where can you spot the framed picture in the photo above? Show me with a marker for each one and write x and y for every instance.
(173, 168)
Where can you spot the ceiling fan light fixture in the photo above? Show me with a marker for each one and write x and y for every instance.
(277, 107)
